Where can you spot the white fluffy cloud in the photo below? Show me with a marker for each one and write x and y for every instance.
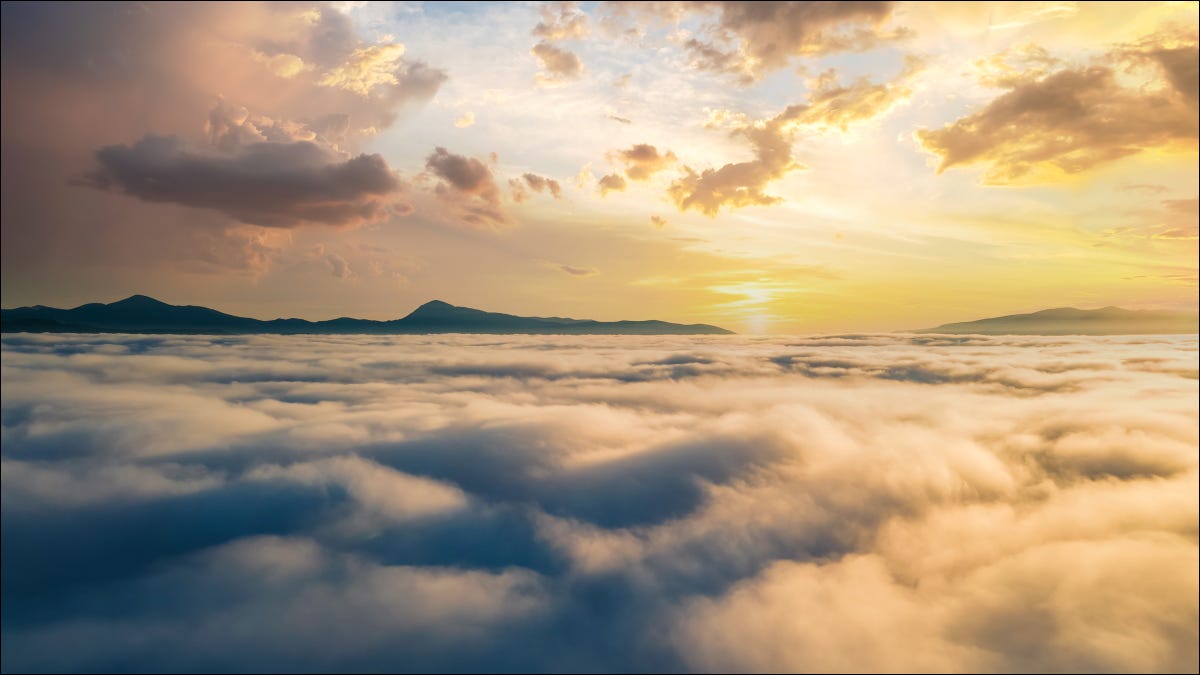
(840, 503)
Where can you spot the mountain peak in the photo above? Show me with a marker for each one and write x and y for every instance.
(435, 304)
(139, 300)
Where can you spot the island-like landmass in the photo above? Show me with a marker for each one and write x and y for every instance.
(1072, 321)
(143, 314)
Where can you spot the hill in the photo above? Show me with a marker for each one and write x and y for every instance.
(1072, 321)
(143, 314)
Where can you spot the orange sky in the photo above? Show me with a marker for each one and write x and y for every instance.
(780, 168)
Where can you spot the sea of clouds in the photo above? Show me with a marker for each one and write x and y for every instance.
(599, 503)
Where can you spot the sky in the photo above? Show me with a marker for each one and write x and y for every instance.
(766, 167)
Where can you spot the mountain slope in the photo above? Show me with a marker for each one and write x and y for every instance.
(1072, 321)
(143, 314)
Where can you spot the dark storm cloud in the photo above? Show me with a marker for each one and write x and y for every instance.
(268, 184)
(539, 503)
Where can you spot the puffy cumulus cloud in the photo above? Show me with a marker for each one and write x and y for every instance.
(558, 64)
(699, 503)
(612, 182)
(1066, 120)
(467, 184)
(561, 21)
(642, 161)
(748, 40)
(829, 105)
(742, 183)
(520, 187)
(267, 184)
(287, 72)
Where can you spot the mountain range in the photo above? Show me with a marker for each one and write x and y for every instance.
(143, 314)
(1072, 321)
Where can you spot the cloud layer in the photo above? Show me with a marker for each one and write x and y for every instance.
(840, 503)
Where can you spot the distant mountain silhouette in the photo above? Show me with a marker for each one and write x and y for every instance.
(1072, 321)
(143, 314)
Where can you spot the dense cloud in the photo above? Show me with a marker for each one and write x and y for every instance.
(1073, 118)
(93, 89)
(749, 40)
(560, 21)
(268, 184)
(847, 503)
(642, 160)
(612, 182)
(468, 186)
(559, 64)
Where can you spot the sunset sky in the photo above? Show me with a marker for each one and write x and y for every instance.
(766, 167)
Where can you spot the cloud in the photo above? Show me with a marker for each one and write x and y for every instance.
(612, 182)
(338, 266)
(741, 184)
(465, 120)
(282, 74)
(748, 40)
(530, 181)
(468, 185)
(267, 184)
(578, 271)
(366, 68)
(642, 161)
(829, 105)
(561, 21)
(1069, 120)
(559, 64)
(658, 221)
(644, 503)
(837, 106)
(622, 120)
